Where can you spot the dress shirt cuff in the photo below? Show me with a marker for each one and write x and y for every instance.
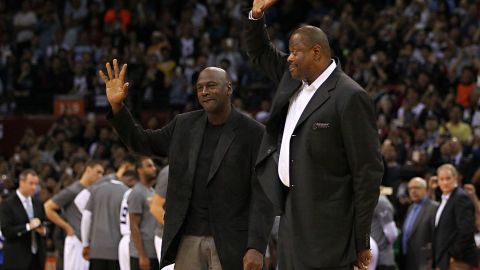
(250, 16)
(28, 227)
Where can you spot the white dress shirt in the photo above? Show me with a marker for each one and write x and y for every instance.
(445, 198)
(298, 102)
(24, 201)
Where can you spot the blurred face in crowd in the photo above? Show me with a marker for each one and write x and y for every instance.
(93, 173)
(447, 180)
(148, 170)
(129, 180)
(431, 125)
(417, 189)
(28, 185)
(214, 90)
(455, 115)
(389, 152)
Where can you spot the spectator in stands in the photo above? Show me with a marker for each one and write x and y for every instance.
(417, 230)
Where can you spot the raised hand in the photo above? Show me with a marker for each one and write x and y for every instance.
(260, 6)
(115, 85)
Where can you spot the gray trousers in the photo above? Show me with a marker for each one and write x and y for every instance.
(197, 252)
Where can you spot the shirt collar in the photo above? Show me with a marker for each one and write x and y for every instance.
(22, 198)
(322, 78)
(446, 196)
(422, 201)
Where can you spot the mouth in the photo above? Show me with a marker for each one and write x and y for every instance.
(292, 68)
(207, 100)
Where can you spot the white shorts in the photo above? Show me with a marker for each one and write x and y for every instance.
(158, 250)
(124, 253)
(72, 254)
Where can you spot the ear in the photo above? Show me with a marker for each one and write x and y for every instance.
(229, 88)
(317, 51)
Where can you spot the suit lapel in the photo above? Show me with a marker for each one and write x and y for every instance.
(287, 87)
(196, 139)
(19, 204)
(447, 207)
(224, 142)
(320, 97)
(419, 218)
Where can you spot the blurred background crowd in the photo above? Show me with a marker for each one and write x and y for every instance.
(418, 59)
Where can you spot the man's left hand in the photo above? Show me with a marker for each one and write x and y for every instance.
(363, 259)
(86, 253)
(253, 260)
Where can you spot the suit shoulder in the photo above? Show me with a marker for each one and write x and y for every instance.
(250, 124)
(348, 86)
(189, 116)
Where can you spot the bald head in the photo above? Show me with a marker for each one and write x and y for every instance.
(417, 189)
(218, 73)
(312, 36)
(420, 181)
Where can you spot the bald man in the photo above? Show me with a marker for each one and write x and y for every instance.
(216, 216)
(319, 161)
(417, 231)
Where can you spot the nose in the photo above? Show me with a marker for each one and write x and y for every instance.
(290, 58)
(203, 90)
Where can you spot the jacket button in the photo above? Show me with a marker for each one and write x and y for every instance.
(269, 151)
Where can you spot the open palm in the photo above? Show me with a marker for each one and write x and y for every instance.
(116, 88)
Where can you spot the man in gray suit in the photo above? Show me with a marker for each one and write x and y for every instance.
(417, 229)
(319, 161)
(216, 216)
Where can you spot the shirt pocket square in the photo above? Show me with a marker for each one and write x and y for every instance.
(320, 125)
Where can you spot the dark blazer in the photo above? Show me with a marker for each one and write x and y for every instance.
(18, 241)
(454, 233)
(419, 244)
(240, 214)
(336, 166)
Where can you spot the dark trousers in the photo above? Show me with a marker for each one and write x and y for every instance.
(35, 264)
(102, 264)
(154, 265)
(287, 258)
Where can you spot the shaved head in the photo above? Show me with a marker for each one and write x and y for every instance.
(420, 181)
(312, 36)
(220, 73)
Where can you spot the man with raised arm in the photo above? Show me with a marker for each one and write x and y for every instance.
(319, 161)
(216, 215)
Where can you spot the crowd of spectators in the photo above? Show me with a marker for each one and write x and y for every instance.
(418, 59)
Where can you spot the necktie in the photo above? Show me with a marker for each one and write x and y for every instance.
(408, 226)
(32, 232)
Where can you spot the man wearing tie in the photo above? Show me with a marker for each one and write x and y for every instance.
(22, 218)
(418, 227)
(453, 240)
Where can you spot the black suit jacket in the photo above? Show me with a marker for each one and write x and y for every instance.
(336, 166)
(18, 241)
(240, 214)
(454, 233)
(419, 243)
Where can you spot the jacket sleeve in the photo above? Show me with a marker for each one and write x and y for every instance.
(261, 214)
(465, 223)
(363, 153)
(261, 51)
(144, 142)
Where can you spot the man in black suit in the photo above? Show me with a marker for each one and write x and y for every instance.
(216, 214)
(418, 227)
(319, 161)
(22, 218)
(453, 240)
